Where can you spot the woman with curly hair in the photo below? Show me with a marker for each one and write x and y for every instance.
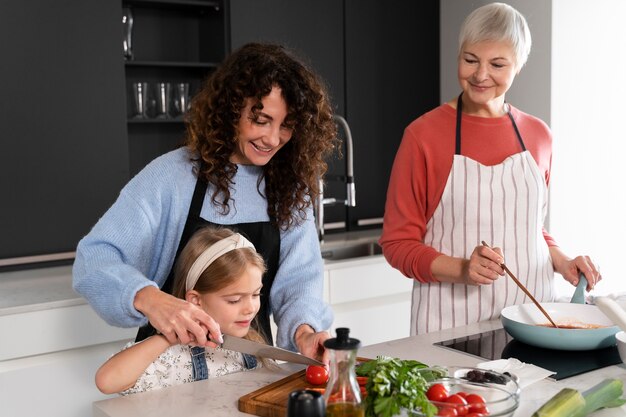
(257, 136)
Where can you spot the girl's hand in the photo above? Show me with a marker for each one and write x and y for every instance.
(484, 265)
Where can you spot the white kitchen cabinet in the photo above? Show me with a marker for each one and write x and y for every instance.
(53, 372)
(370, 297)
(52, 343)
(59, 384)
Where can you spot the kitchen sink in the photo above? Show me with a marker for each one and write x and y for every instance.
(350, 251)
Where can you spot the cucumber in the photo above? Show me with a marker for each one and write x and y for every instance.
(605, 394)
(564, 403)
(571, 403)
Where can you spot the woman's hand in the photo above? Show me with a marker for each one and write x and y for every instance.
(484, 265)
(181, 322)
(311, 343)
(570, 269)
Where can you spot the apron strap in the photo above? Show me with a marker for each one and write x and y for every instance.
(459, 107)
(519, 137)
(195, 207)
(190, 225)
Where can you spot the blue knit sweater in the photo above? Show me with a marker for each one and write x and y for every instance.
(134, 243)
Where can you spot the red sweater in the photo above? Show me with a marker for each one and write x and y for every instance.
(423, 163)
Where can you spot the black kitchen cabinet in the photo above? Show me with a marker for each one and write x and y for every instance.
(71, 142)
(64, 151)
(381, 63)
(315, 32)
(392, 77)
(313, 29)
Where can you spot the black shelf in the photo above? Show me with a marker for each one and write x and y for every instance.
(178, 120)
(173, 41)
(171, 64)
(173, 4)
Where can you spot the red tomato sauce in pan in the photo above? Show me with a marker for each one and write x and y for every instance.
(574, 325)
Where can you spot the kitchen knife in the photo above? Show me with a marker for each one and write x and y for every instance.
(266, 351)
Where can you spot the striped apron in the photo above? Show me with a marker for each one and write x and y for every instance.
(504, 205)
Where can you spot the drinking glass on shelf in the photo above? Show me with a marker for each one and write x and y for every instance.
(139, 100)
(163, 100)
(181, 98)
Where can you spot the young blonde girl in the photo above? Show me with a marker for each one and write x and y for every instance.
(219, 271)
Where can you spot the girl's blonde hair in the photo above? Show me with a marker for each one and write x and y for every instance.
(221, 273)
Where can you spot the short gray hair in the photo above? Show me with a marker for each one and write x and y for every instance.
(498, 22)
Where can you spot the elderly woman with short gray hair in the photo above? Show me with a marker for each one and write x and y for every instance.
(476, 169)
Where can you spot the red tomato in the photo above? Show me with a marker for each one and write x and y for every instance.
(362, 380)
(474, 399)
(447, 412)
(479, 409)
(476, 404)
(316, 375)
(437, 392)
(462, 394)
(475, 415)
(459, 403)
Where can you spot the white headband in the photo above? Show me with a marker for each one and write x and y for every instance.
(213, 252)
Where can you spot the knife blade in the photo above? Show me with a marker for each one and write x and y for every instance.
(266, 351)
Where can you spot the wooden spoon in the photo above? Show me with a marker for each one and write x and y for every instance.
(519, 284)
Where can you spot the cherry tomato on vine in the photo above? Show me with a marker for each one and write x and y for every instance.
(316, 375)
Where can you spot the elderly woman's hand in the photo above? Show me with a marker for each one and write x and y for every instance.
(570, 269)
(484, 265)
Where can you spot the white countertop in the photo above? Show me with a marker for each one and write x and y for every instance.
(37, 289)
(218, 397)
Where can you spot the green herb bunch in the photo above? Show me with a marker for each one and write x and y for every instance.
(394, 384)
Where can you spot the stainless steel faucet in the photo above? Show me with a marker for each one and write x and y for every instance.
(350, 200)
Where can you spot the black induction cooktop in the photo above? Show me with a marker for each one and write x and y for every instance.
(498, 344)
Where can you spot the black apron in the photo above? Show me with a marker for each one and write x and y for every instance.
(264, 236)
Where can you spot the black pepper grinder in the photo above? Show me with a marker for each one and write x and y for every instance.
(306, 403)
(342, 395)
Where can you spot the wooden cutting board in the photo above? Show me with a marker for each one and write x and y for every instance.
(271, 400)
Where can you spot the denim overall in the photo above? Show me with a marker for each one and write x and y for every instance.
(200, 369)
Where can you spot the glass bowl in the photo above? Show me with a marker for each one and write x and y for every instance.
(501, 392)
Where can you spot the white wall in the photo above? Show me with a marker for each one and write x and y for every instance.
(588, 202)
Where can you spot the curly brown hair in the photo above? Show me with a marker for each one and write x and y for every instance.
(291, 176)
